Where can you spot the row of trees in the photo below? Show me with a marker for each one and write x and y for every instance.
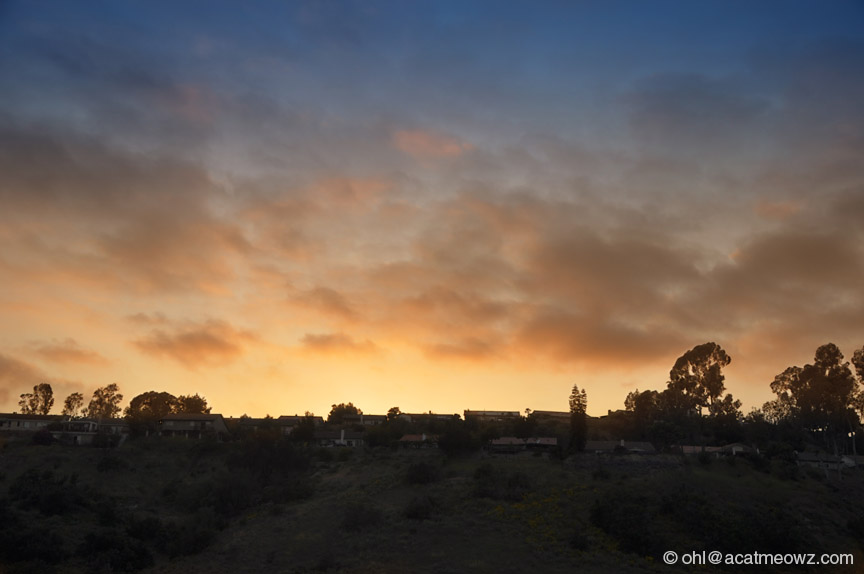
(824, 399)
(104, 404)
(143, 413)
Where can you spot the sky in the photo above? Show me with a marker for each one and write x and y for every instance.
(431, 205)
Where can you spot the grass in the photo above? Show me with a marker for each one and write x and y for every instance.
(181, 506)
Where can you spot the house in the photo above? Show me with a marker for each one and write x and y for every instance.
(507, 444)
(338, 438)
(287, 423)
(418, 441)
(543, 443)
(819, 460)
(76, 431)
(363, 420)
(560, 417)
(193, 426)
(622, 446)
(15, 423)
(491, 416)
(426, 418)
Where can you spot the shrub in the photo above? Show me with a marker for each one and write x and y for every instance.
(43, 437)
(422, 473)
(420, 508)
(122, 554)
(48, 493)
(358, 516)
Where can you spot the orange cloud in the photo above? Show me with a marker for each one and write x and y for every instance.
(468, 348)
(67, 351)
(337, 343)
(328, 301)
(777, 210)
(422, 144)
(194, 345)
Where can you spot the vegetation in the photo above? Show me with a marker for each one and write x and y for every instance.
(39, 402)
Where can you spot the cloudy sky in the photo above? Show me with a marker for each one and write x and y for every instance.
(431, 205)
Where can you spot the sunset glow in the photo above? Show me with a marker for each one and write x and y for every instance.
(281, 206)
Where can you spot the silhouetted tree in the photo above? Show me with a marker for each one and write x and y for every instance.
(645, 409)
(578, 418)
(393, 413)
(105, 403)
(698, 375)
(304, 432)
(39, 402)
(72, 405)
(192, 405)
(338, 412)
(147, 409)
(821, 396)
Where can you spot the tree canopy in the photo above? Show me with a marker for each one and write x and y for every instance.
(72, 405)
(39, 402)
(338, 412)
(105, 403)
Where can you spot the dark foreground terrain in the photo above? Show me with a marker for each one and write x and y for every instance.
(267, 506)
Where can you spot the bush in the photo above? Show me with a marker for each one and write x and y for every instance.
(358, 516)
(46, 492)
(420, 508)
(122, 554)
(31, 544)
(110, 463)
(43, 437)
(628, 518)
(422, 473)
(190, 536)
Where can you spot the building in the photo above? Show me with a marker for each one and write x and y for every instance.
(622, 447)
(338, 438)
(193, 426)
(15, 423)
(559, 417)
(491, 416)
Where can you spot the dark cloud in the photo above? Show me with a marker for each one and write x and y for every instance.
(194, 345)
(679, 110)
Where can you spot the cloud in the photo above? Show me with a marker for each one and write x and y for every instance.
(337, 343)
(327, 301)
(465, 349)
(194, 345)
(425, 145)
(67, 351)
(17, 377)
(677, 110)
(777, 210)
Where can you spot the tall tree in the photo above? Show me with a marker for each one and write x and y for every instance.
(337, 412)
(147, 409)
(105, 403)
(39, 402)
(192, 405)
(578, 418)
(72, 405)
(821, 396)
(698, 375)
